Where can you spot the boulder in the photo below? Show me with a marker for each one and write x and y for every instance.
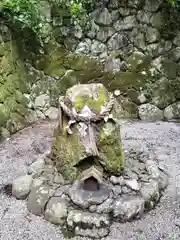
(104, 18)
(127, 207)
(38, 198)
(22, 186)
(52, 113)
(172, 111)
(88, 224)
(56, 210)
(149, 112)
(42, 101)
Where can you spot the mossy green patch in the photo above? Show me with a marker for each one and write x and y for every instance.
(52, 62)
(3, 116)
(169, 68)
(138, 62)
(110, 149)
(4, 93)
(91, 102)
(15, 123)
(165, 92)
(67, 151)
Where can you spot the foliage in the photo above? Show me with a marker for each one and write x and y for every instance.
(24, 13)
(171, 12)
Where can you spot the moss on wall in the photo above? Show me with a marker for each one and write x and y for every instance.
(13, 84)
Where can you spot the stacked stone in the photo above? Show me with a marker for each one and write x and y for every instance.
(122, 198)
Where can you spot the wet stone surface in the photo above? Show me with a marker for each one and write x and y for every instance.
(90, 213)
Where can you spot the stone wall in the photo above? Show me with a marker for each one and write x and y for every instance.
(128, 37)
(19, 102)
(124, 49)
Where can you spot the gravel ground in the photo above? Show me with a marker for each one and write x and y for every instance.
(160, 139)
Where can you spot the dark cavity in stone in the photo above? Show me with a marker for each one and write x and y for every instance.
(91, 184)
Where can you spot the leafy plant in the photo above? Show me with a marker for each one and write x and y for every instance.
(25, 13)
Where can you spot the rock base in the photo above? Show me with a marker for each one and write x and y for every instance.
(90, 213)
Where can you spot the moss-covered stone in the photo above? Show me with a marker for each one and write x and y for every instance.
(111, 149)
(52, 62)
(4, 93)
(127, 109)
(138, 62)
(67, 151)
(70, 151)
(93, 104)
(3, 116)
(129, 83)
(165, 92)
(85, 68)
(169, 68)
(15, 123)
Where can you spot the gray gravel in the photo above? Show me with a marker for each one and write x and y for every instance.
(160, 139)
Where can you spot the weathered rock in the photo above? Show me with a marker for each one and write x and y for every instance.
(113, 65)
(152, 35)
(38, 182)
(84, 198)
(64, 189)
(126, 190)
(52, 113)
(152, 6)
(157, 20)
(37, 167)
(163, 94)
(133, 184)
(117, 41)
(113, 4)
(32, 116)
(172, 111)
(124, 11)
(56, 210)
(163, 181)
(92, 208)
(117, 190)
(84, 46)
(22, 186)
(128, 207)
(42, 101)
(150, 193)
(38, 198)
(94, 30)
(106, 206)
(144, 17)
(4, 134)
(78, 32)
(87, 220)
(176, 40)
(40, 114)
(97, 47)
(58, 178)
(104, 18)
(95, 233)
(175, 54)
(139, 41)
(126, 24)
(105, 33)
(149, 112)
(152, 169)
